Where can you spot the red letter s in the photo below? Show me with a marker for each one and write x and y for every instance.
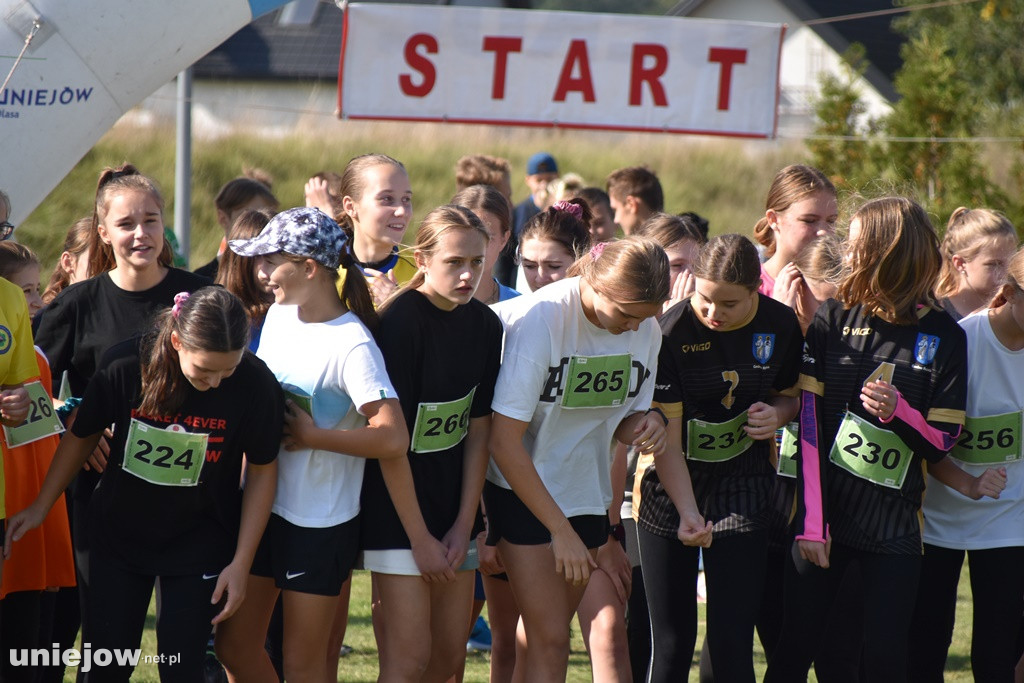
(417, 61)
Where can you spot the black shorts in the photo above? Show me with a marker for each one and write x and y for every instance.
(508, 518)
(305, 559)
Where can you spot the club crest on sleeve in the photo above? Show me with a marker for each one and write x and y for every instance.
(763, 346)
(925, 348)
(5, 339)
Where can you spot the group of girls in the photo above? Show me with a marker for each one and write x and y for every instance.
(884, 385)
(366, 354)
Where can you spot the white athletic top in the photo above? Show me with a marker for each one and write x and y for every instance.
(568, 446)
(995, 385)
(338, 364)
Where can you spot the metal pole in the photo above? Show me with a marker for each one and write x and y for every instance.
(183, 163)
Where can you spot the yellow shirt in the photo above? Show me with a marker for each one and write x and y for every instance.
(17, 357)
(403, 268)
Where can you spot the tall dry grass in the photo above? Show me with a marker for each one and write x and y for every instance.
(723, 180)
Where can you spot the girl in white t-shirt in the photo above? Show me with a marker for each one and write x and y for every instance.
(341, 410)
(990, 530)
(580, 358)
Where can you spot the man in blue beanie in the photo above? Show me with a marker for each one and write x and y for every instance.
(541, 169)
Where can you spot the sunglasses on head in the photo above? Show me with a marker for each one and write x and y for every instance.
(6, 230)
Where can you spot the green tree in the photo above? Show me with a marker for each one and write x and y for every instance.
(925, 146)
(984, 42)
(838, 145)
(937, 106)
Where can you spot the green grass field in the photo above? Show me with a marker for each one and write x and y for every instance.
(361, 665)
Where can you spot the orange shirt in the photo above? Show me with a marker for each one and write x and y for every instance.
(43, 557)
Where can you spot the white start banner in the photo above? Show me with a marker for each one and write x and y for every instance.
(567, 69)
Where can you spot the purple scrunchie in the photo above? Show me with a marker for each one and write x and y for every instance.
(179, 300)
(574, 209)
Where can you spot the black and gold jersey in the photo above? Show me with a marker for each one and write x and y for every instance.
(709, 379)
(862, 479)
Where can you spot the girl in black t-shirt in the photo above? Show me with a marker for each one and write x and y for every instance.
(128, 280)
(442, 349)
(727, 376)
(186, 402)
(883, 384)
(249, 192)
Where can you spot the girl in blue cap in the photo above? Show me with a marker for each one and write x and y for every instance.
(341, 409)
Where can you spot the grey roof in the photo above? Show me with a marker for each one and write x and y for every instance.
(272, 48)
(302, 40)
(875, 33)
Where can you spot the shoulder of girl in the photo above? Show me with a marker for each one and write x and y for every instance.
(8, 288)
(674, 315)
(405, 304)
(490, 316)
(251, 363)
(123, 354)
(404, 269)
(81, 289)
(780, 310)
(190, 279)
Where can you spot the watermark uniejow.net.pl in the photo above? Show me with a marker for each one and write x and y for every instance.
(87, 658)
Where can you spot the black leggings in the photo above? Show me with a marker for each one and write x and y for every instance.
(638, 623)
(118, 604)
(840, 662)
(997, 586)
(734, 570)
(769, 616)
(887, 603)
(20, 618)
(61, 615)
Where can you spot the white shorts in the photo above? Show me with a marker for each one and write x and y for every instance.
(400, 561)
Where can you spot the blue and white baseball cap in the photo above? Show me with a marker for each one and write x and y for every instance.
(302, 231)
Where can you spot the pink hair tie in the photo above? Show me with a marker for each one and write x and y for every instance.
(597, 250)
(179, 300)
(574, 209)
